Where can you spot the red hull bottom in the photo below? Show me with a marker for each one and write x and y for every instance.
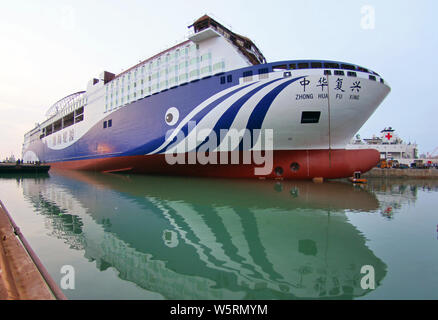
(287, 164)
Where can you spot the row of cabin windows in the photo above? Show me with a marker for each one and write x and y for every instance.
(169, 56)
(326, 72)
(165, 84)
(350, 74)
(172, 82)
(173, 69)
(64, 122)
(170, 70)
(320, 65)
(260, 71)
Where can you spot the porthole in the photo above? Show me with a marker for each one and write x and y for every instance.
(278, 171)
(294, 166)
(172, 116)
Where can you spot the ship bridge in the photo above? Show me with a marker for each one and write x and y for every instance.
(204, 26)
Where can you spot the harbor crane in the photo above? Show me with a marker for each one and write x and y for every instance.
(432, 154)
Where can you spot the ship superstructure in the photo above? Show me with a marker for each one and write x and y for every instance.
(389, 144)
(304, 112)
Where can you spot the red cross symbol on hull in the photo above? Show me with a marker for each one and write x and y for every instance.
(389, 136)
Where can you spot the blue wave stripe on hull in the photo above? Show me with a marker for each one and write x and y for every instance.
(150, 147)
(227, 119)
(259, 113)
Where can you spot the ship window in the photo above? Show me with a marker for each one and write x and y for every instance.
(223, 80)
(331, 65)
(381, 80)
(79, 118)
(194, 60)
(338, 73)
(279, 67)
(206, 69)
(310, 116)
(68, 120)
(57, 125)
(80, 111)
(316, 65)
(229, 78)
(263, 70)
(247, 76)
(206, 56)
(183, 77)
(348, 67)
(372, 77)
(110, 123)
(362, 69)
(327, 72)
(194, 73)
(104, 124)
(351, 74)
(219, 65)
(303, 65)
(49, 130)
(292, 66)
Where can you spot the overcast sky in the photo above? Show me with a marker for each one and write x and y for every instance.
(49, 49)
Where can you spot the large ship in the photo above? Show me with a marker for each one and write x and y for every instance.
(213, 106)
(389, 145)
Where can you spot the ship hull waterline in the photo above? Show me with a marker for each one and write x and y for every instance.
(287, 164)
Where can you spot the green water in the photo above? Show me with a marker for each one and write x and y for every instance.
(148, 237)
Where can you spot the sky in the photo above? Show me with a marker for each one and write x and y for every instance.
(50, 49)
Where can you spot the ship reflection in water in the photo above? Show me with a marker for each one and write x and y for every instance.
(187, 238)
